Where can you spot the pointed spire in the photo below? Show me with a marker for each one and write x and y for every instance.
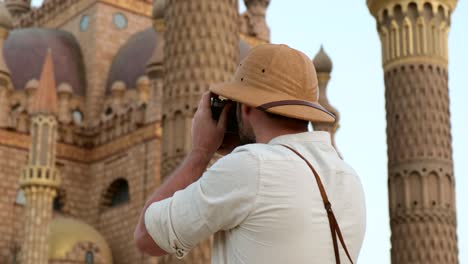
(46, 96)
(322, 61)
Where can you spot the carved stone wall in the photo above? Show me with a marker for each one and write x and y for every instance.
(201, 48)
(420, 166)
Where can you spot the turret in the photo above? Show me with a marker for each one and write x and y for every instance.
(323, 66)
(253, 21)
(155, 67)
(5, 76)
(65, 92)
(40, 180)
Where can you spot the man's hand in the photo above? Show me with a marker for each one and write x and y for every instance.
(207, 134)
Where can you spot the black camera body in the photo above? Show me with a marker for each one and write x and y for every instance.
(217, 106)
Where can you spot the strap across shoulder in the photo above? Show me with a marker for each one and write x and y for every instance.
(334, 227)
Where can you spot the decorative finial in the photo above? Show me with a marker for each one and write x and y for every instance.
(46, 96)
(322, 61)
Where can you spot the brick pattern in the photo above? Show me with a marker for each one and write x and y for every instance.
(11, 162)
(139, 166)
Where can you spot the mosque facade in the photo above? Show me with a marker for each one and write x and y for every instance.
(96, 102)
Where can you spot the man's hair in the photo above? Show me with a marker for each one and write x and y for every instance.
(287, 119)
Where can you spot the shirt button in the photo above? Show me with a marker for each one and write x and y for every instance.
(179, 253)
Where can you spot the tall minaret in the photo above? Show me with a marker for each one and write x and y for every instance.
(18, 7)
(254, 20)
(414, 36)
(323, 66)
(40, 180)
(202, 46)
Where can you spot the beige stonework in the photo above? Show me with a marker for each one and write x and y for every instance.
(420, 167)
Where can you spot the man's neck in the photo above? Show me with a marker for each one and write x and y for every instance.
(267, 135)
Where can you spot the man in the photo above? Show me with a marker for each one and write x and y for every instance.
(268, 200)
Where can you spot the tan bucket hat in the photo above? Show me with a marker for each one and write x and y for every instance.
(277, 79)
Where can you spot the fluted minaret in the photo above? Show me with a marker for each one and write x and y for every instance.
(5, 76)
(202, 46)
(18, 7)
(40, 180)
(254, 20)
(414, 36)
(323, 66)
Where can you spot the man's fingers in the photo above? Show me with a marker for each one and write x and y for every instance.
(205, 101)
(223, 118)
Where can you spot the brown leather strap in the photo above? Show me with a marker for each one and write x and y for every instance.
(266, 106)
(334, 227)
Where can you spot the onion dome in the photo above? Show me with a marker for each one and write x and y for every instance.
(5, 17)
(66, 235)
(25, 51)
(322, 62)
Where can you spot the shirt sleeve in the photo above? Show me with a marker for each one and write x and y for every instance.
(220, 200)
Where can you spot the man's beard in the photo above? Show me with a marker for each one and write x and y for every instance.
(245, 136)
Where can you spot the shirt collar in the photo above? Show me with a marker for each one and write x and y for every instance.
(312, 136)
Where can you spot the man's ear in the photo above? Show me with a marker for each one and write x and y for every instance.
(245, 109)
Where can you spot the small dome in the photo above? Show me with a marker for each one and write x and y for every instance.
(65, 88)
(32, 84)
(118, 86)
(5, 17)
(322, 62)
(66, 233)
(25, 51)
(143, 81)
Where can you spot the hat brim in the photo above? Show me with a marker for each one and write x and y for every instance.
(255, 97)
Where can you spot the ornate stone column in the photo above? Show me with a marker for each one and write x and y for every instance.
(40, 179)
(202, 46)
(323, 66)
(420, 167)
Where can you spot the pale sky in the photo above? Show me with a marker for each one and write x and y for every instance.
(348, 33)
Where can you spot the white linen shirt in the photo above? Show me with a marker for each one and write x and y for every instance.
(263, 205)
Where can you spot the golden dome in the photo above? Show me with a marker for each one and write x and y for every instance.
(66, 232)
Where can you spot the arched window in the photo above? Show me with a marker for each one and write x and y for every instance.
(116, 194)
(89, 257)
(20, 199)
(59, 201)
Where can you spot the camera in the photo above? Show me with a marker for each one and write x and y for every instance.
(217, 106)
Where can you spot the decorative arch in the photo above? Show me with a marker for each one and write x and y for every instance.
(116, 194)
(407, 37)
